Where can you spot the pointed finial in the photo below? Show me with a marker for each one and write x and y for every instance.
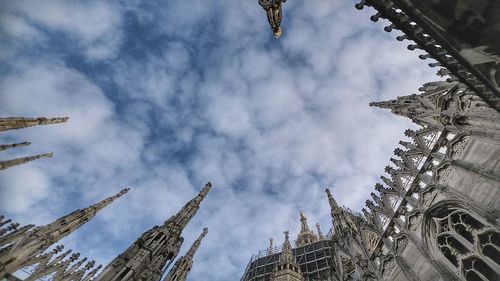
(13, 145)
(381, 104)
(286, 253)
(331, 200)
(197, 243)
(182, 218)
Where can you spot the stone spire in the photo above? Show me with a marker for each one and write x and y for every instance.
(11, 123)
(13, 145)
(18, 161)
(341, 220)
(32, 243)
(305, 236)
(182, 218)
(183, 265)
(146, 258)
(286, 254)
(287, 268)
(424, 108)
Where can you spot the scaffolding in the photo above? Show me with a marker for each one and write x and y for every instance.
(316, 261)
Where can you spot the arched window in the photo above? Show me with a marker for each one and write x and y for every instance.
(467, 243)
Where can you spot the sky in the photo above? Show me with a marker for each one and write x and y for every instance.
(164, 96)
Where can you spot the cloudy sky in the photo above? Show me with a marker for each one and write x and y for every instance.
(164, 96)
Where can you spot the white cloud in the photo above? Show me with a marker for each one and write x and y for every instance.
(94, 26)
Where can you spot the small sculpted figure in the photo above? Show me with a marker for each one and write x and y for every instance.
(273, 11)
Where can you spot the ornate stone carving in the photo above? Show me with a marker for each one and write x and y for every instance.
(443, 172)
(413, 221)
(388, 267)
(401, 244)
(428, 197)
(458, 147)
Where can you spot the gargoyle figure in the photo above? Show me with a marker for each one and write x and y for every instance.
(273, 11)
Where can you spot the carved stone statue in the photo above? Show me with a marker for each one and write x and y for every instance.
(274, 14)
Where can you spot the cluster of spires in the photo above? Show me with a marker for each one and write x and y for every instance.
(345, 227)
(21, 247)
(13, 123)
(417, 159)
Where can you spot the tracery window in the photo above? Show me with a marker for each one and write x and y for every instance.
(470, 245)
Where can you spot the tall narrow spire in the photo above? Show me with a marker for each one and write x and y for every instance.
(423, 108)
(286, 253)
(183, 265)
(331, 200)
(13, 145)
(341, 220)
(146, 258)
(69, 223)
(287, 267)
(306, 236)
(18, 161)
(187, 212)
(39, 239)
(11, 123)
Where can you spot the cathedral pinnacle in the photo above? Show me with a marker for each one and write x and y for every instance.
(13, 145)
(287, 268)
(11, 123)
(34, 242)
(320, 234)
(306, 236)
(331, 200)
(182, 218)
(184, 264)
(139, 263)
(340, 218)
(18, 161)
(286, 254)
(197, 243)
(69, 223)
(270, 250)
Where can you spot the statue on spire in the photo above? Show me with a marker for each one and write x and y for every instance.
(306, 236)
(320, 234)
(274, 13)
(270, 250)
